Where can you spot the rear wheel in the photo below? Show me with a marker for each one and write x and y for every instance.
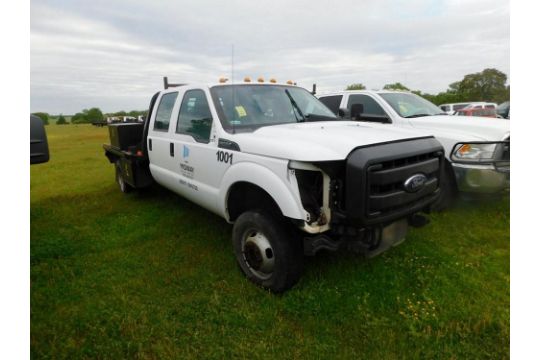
(124, 187)
(266, 251)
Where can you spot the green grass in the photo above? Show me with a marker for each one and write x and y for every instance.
(152, 275)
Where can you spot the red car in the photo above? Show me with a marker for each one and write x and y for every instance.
(477, 112)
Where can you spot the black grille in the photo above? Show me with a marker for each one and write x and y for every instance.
(375, 177)
(385, 182)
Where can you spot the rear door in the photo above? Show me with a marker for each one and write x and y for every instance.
(158, 140)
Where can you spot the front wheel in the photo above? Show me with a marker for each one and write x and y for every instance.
(266, 251)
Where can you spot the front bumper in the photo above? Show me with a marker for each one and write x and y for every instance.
(481, 178)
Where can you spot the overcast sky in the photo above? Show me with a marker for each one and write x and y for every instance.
(113, 54)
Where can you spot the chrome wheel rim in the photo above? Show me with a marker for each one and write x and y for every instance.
(258, 254)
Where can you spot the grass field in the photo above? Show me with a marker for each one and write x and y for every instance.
(152, 275)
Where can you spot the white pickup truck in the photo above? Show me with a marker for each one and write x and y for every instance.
(275, 162)
(477, 149)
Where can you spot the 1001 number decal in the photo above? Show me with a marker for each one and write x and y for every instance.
(224, 157)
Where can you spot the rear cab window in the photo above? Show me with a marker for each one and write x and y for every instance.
(164, 111)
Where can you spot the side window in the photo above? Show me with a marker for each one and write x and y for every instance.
(163, 114)
(195, 118)
(445, 107)
(332, 102)
(490, 107)
(370, 106)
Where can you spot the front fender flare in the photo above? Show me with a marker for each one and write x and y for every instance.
(284, 193)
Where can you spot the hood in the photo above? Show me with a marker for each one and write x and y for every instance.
(464, 128)
(317, 141)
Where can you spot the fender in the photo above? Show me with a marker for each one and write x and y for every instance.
(285, 195)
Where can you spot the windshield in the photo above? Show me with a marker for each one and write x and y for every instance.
(410, 105)
(252, 106)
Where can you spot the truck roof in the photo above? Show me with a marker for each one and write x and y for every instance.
(362, 92)
(211, 85)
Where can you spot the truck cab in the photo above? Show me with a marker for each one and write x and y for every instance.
(275, 162)
(477, 148)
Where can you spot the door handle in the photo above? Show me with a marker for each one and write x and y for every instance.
(171, 148)
(150, 144)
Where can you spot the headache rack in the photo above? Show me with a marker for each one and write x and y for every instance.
(167, 84)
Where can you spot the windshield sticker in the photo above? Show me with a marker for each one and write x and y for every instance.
(241, 111)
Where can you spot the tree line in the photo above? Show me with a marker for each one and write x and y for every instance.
(87, 116)
(487, 85)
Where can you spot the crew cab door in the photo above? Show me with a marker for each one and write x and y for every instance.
(196, 155)
(158, 139)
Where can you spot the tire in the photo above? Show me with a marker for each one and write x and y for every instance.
(124, 187)
(448, 188)
(266, 251)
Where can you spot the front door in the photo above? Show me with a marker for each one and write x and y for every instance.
(196, 151)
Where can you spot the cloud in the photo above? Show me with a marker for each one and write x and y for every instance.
(113, 54)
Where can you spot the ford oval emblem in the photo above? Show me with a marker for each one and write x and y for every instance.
(415, 183)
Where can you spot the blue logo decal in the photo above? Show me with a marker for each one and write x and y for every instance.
(186, 152)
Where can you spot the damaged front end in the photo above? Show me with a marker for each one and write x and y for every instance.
(366, 202)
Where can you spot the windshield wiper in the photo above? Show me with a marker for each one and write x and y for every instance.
(317, 117)
(295, 105)
(416, 115)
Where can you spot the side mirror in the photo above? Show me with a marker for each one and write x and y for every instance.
(356, 111)
(39, 148)
(344, 113)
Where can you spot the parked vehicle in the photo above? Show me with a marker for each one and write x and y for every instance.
(275, 162)
(487, 112)
(503, 110)
(477, 149)
(39, 147)
(481, 105)
(450, 109)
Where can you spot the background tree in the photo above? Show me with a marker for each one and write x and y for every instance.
(87, 116)
(395, 86)
(61, 120)
(43, 116)
(79, 118)
(94, 114)
(488, 85)
(358, 86)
